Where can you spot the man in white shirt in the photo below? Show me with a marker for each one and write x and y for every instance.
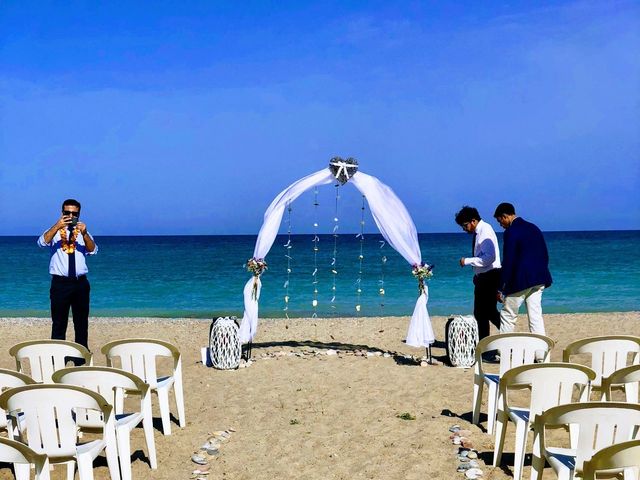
(69, 243)
(485, 260)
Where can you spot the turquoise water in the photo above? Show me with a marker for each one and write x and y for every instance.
(203, 276)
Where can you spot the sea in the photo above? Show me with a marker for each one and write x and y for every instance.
(204, 276)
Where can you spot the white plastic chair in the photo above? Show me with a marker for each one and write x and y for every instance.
(608, 354)
(50, 417)
(550, 384)
(598, 425)
(47, 356)
(138, 356)
(11, 379)
(613, 460)
(22, 458)
(515, 349)
(627, 379)
(112, 383)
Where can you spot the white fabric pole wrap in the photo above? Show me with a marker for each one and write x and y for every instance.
(391, 218)
(266, 237)
(397, 228)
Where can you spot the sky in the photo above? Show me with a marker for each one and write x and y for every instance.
(189, 117)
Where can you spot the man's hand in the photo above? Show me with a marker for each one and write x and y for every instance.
(82, 227)
(462, 262)
(63, 221)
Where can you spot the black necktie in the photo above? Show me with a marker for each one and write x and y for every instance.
(473, 244)
(72, 258)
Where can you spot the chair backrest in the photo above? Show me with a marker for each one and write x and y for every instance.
(108, 382)
(11, 379)
(608, 353)
(12, 451)
(600, 424)
(627, 376)
(138, 356)
(515, 349)
(47, 356)
(615, 457)
(103, 380)
(50, 415)
(551, 384)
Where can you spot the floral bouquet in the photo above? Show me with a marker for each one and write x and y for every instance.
(422, 272)
(256, 266)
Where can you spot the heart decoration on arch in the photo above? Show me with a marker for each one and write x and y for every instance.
(342, 169)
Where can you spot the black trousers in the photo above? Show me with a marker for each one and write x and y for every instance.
(71, 293)
(485, 300)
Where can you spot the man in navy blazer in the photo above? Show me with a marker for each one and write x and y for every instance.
(525, 270)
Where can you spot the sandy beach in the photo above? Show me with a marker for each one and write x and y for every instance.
(317, 416)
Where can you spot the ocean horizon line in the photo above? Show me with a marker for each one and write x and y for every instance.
(374, 232)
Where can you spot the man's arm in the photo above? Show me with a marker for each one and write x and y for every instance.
(486, 255)
(46, 238)
(88, 239)
(508, 252)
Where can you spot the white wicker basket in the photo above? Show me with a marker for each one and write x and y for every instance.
(461, 334)
(224, 343)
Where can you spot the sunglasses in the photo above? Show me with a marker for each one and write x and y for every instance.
(67, 212)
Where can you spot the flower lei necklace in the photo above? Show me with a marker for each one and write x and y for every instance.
(69, 245)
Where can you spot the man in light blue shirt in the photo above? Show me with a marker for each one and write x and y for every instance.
(69, 243)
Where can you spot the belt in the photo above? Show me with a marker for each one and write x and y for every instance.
(62, 278)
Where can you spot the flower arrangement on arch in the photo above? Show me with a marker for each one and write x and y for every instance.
(422, 272)
(256, 266)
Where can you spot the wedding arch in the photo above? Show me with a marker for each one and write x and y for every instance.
(390, 216)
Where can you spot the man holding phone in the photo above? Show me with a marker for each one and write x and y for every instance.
(69, 243)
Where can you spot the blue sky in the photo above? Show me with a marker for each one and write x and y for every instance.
(189, 117)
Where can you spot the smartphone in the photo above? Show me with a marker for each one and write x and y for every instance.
(74, 221)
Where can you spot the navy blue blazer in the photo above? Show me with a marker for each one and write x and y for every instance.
(525, 259)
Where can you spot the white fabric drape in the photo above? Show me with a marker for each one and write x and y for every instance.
(397, 228)
(393, 221)
(266, 237)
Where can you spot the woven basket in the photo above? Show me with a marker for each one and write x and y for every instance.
(461, 333)
(224, 343)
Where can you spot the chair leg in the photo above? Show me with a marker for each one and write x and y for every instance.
(42, 470)
(22, 471)
(501, 430)
(147, 425)
(163, 401)
(177, 390)
(85, 467)
(632, 473)
(478, 383)
(124, 452)
(492, 403)
(538, 460)
(565, 474)
(522, 428)
(71, 470)
(111, 450)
